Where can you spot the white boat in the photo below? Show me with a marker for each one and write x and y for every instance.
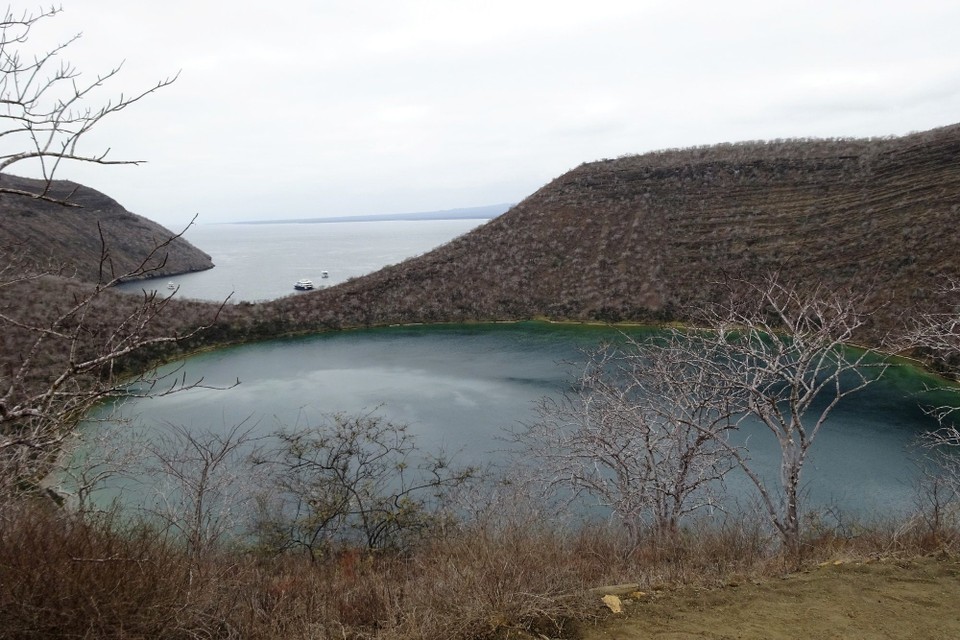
(171, 285)
(324, 274)
(303, 285)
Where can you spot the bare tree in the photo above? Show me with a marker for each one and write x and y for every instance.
(203, 483)
(939, 333)
(355, 480)
(64, 356)
(937, 336)
(784, 355)
(937, 488)
(47, 105)
(69, 360)
(92, 462)
(641, 432)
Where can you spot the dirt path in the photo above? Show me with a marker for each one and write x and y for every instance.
(916, 599)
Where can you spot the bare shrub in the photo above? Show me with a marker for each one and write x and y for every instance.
(937, 489)
(937, 336)
(640, 433)
(352, 480)
(782, 355)
(68, 577)
(203, 485)
(92, 461)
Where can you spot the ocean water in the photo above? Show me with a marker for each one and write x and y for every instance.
(255, 262)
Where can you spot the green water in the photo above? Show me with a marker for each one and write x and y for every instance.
(459, 387)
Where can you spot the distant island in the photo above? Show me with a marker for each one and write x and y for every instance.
(487, 212)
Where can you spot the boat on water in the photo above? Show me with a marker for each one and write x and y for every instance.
(171, 285)
(303, 285)
(324, 274)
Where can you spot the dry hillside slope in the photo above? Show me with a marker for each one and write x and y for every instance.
(68, 238)
(640, 238)
(645, 237)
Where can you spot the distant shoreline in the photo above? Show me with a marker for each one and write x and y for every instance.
(470, 213)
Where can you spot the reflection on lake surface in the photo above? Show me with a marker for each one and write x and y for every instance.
(460, 386)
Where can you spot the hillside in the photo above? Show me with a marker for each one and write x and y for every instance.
(67, 238)
(640, 238)
(649, 237)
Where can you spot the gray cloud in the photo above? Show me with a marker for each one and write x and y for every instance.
(330, 108)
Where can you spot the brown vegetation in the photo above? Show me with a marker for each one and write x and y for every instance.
(642, 238)
(64, 576)
(70, 238)
(373, 539)
(649, 237)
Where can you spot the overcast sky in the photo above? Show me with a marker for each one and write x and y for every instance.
(304, 108)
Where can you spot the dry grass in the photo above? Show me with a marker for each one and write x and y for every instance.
(63, 576)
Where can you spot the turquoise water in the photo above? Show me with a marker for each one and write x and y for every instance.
(460, 387)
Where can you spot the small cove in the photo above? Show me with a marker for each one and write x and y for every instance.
(262, 261)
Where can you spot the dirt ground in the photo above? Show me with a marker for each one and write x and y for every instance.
(888, 598)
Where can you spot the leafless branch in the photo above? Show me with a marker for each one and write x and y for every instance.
(356, 480)
(782, 353)
(639, 432)
(204, 488)
(936, 336)
(47, 107)
(37, 416)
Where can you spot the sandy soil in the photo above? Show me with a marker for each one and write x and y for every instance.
(916, 599)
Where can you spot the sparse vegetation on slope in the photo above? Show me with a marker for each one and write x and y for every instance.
(355, 534)
(649, 237)
(70, 238)
(644, 238)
